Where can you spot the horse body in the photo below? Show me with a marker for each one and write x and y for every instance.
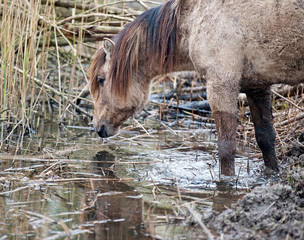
(261, 40)
(237, 45)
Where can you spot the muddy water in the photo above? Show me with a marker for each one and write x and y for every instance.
(131, 186)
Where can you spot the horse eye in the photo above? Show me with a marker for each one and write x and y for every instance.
(101, 80)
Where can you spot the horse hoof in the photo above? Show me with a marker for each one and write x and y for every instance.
(270, 172)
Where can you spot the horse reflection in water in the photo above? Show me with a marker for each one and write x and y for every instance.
(238, 46)
(116, 211)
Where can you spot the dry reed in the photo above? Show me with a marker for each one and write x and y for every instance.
(45, 49)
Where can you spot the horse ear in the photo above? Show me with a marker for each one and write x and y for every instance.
(108, 47)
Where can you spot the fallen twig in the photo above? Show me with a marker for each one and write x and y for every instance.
(295, 129)
(61, 223)
(287, 100)
(198, 218)
(13, 191)
(265, 210)
(288, 121)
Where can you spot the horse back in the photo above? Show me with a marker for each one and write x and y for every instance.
(265, 38)
(274, 41)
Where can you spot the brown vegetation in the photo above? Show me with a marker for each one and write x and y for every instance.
(45, 48)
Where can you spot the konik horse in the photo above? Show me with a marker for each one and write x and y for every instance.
(237, 45)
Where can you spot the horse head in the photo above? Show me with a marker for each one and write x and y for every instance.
(117, 95)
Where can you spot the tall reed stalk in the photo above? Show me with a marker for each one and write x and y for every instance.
(21, 31)
(41, 62)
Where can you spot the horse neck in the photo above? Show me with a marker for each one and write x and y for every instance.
(146, 72)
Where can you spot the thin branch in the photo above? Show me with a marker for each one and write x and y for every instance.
(198, 218)
(287, 100)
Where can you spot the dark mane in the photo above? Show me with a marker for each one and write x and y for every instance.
(155, 33)
(98, 61)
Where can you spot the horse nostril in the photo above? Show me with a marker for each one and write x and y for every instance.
(103, 132)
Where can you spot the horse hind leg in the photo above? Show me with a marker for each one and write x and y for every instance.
(260, 103)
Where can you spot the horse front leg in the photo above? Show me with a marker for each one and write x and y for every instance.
(222, 97)
(260, 103)
(226, 124)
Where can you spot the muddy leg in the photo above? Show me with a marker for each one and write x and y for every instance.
(222, 96)
(226, 124)
(261, 114)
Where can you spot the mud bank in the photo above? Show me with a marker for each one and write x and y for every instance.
(272, 212)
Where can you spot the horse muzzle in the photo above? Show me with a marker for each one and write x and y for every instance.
(102, 132)
(105, 130)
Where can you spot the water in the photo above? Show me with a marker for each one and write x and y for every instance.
(131, 186)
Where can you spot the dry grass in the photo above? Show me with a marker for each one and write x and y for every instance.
(45, 49)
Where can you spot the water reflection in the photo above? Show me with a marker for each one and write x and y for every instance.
(115, 210)
(83, 190)
(103, 163)
(225, 195)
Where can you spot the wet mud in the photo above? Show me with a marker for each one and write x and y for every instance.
(271, 212)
